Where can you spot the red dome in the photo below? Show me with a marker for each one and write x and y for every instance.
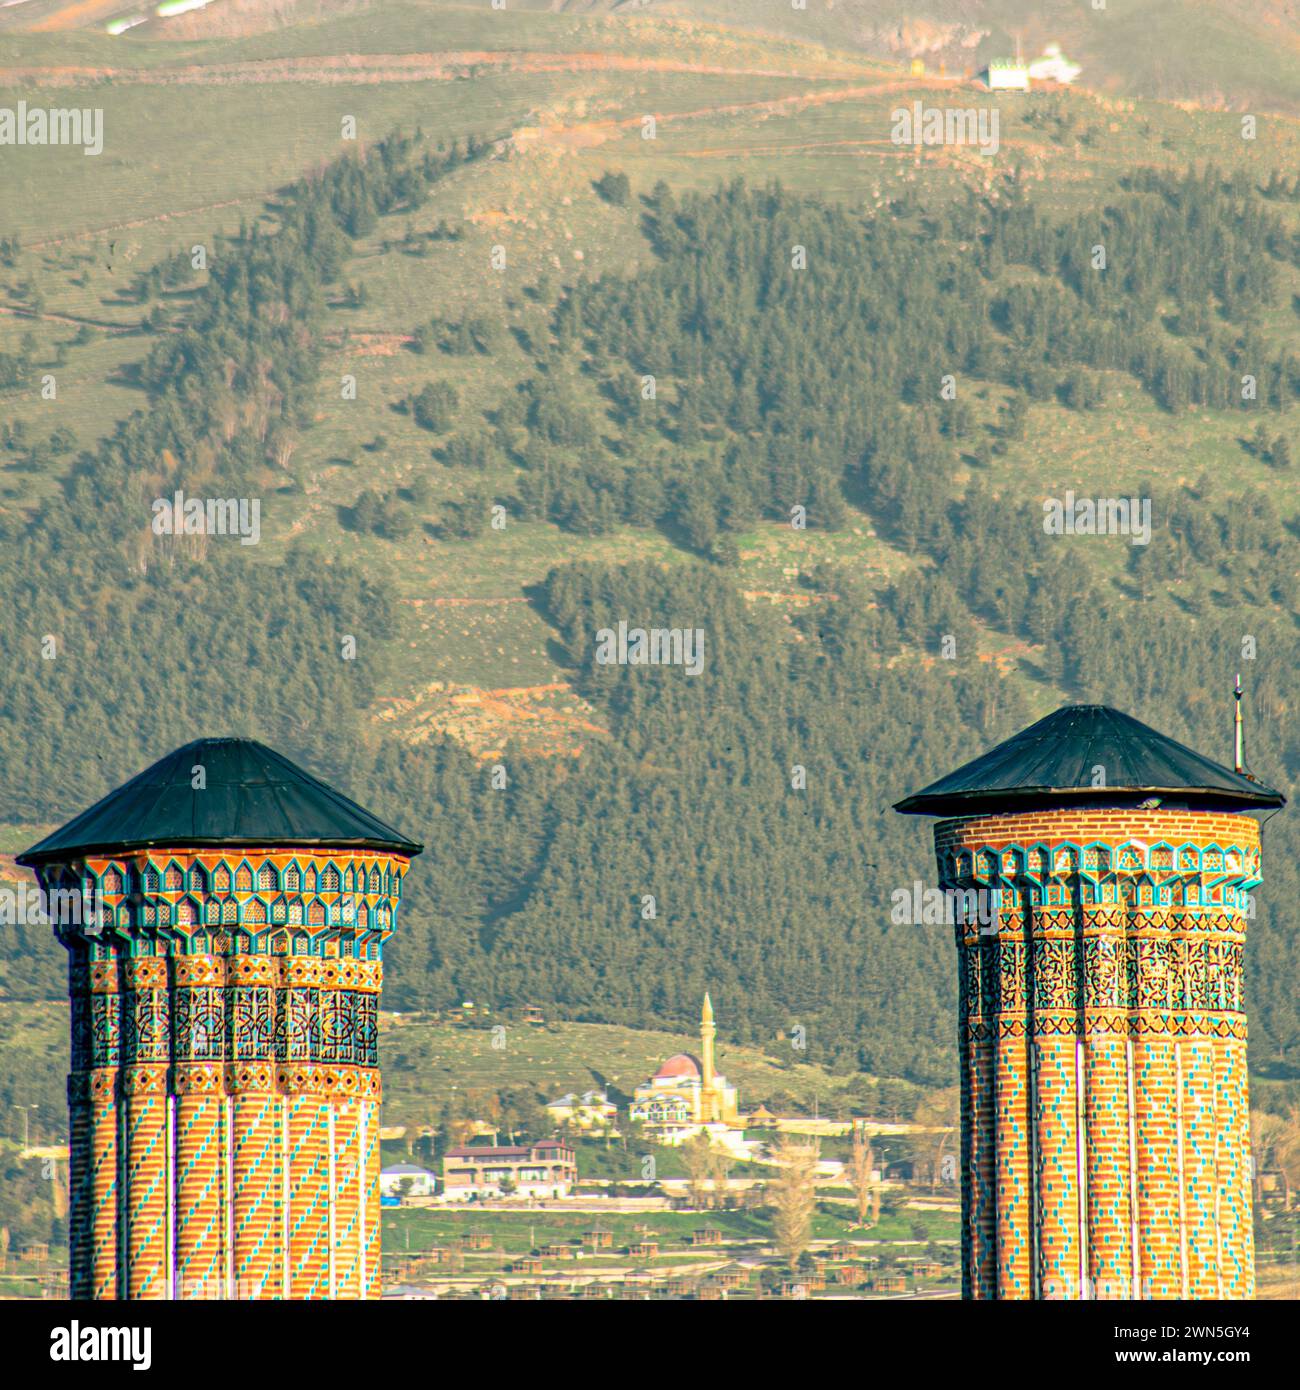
(680, 1065)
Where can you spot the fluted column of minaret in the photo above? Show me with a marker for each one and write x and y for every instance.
(201, 1125)
(1108, 1196)
(80, 1131)
(146, 1055)
(977, 979)
(1014, 1079)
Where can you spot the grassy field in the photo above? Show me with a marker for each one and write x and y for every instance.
(746, 1250)
(746, 1236)
(515, 1233)
(1195, 49)
(34, 1044)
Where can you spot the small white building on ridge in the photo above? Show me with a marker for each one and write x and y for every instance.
(1015, 75)
(1006, 75)
(406, 1179)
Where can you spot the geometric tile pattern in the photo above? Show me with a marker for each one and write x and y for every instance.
(1013, 1191)
(257, 1191)
(1109, 1199)
(199, 1186)
(368, 1213)
(308, 1196)
(349, 1182)
(1158, 1192)
(224, 1091)
(1236, 1231)
(1056, 1172)
(1200, 1173)
(1105, 1134)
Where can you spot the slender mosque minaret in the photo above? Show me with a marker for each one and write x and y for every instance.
(1239, 733)
(224, 967)
(709, 1095)
(1100, 874)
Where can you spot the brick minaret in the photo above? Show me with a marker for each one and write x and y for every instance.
(1105, 1128)
(224, 915)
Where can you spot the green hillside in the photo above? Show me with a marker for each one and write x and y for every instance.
(429, 1064)
(394, 342)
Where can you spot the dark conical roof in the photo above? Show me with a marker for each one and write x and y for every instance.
(251, 796)
(1053, 761)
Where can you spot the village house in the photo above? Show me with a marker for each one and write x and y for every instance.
(547, 1168)
(592, 1110)
(406, 1180)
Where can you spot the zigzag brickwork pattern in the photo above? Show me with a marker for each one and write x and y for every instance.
(225, 1088)
(1105, 1131)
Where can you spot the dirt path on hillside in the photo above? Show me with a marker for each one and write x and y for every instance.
(72, 320)
(465, 603)
(143, 221)
(403, 67)
(369, 342)
(586, 133)
(423, 67)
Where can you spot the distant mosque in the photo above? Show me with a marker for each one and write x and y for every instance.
(687, 1095)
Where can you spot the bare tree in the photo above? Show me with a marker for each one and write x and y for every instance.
(794, 1196)
(1287, 1153)
(1267, 1135)
(281, 444)
(939, 1113)
(719, 1168)
(698, 1160)
(862, 1165)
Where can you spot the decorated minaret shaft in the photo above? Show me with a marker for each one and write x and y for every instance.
(1102, 1040)
(1103, 1079)
(224, 1091)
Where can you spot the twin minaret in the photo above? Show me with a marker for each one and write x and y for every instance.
(224, 915)
(1101, 877)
